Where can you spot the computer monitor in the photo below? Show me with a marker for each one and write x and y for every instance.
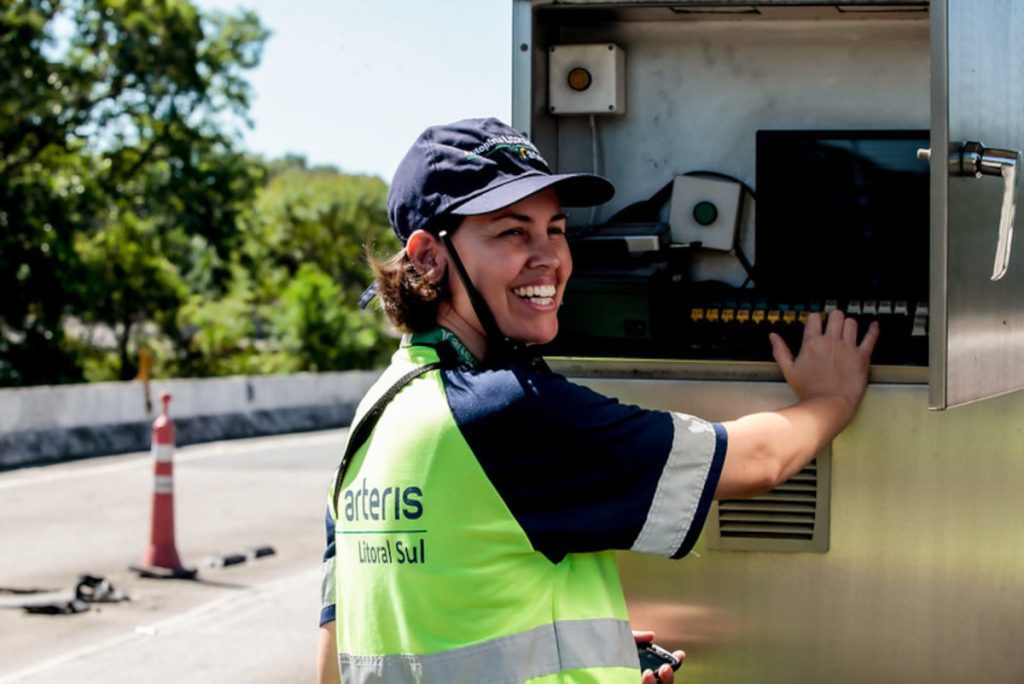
(842, 215)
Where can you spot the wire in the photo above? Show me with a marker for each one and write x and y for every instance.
(593, 161)
(722, 176)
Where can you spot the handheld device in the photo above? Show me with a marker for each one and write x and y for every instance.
(653, 656)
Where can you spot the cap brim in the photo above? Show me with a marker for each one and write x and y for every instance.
(574, 190)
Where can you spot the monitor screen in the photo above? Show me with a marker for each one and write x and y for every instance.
(842, 215)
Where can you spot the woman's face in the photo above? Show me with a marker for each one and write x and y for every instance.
(519, 260)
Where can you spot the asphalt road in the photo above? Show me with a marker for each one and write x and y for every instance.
(254, 622)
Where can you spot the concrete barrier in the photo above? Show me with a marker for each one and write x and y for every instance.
(64, 422)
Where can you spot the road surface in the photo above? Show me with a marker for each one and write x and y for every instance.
(254, 622)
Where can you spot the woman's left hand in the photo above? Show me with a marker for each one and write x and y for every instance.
(665, 674)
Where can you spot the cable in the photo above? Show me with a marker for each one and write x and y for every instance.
(701, 173)
(593, 161)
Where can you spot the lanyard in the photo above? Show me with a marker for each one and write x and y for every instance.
(361, 432)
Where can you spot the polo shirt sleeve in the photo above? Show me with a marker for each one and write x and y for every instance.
(327, 585)
(582, 472)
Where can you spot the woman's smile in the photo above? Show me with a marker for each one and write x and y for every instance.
(539, 296)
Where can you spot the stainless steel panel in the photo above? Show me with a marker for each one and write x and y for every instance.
(522, 63)
(978, 94)
(925, 570)
(748, 7)
(831, 4)
(673, 369)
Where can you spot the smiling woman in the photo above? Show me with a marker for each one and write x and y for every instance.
(478, 197)
(524, 482)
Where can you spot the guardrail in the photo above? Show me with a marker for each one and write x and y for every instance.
(64, 422)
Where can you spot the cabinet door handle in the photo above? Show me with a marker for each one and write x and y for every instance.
(977, 160)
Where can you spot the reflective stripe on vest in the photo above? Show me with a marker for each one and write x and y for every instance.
(545, 650)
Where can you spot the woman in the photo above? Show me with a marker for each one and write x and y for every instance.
(472, 525)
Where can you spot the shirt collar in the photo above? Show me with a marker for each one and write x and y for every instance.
(442, 336)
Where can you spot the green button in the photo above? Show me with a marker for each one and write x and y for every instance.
(705, 213)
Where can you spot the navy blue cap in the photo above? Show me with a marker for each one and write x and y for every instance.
(477, 166)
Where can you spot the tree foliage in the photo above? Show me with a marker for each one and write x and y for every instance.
(298, 278)
(131, 216)
(120, 177)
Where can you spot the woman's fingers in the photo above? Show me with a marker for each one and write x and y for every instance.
(780, 350)
(643, 636)
(813, 326)
(834, 326)
(844, 328)
(867, 345)
(850, 331)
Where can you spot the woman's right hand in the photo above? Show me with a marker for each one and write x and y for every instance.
(830, 362)
(829, 375)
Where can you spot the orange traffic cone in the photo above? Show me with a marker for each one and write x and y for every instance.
(161, 558)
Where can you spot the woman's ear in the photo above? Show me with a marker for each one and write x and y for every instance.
(428, 255)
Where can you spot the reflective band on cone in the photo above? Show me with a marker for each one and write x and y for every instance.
(162, 555)
(163, 453)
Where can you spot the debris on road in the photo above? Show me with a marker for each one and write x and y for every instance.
(251, 553)
(90, 589)
(98, 590)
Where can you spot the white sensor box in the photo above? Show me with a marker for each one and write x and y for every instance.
(603, 88)
(705, 210)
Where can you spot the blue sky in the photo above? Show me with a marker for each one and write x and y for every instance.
(351, 83)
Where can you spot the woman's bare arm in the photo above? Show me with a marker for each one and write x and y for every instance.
(327, 656)
(829, 376)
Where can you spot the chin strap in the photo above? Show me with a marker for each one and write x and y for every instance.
(501, 349)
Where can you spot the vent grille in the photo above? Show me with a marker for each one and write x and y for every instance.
(791, 517)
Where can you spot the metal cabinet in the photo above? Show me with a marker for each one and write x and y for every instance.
(885, 52)
(926, 555)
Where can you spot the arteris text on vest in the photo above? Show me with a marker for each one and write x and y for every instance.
(371, 503)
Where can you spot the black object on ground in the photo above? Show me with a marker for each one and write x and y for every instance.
(89, 589)
(153, 572)
(248, 554)
(98, 590)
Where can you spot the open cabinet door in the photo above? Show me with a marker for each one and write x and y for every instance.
(977, 265)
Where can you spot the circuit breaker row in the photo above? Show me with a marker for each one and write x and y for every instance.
(739, 330)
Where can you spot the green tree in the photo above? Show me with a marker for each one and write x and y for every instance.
(45, 196)
(302, 270)
(319, 330)
(130, 281)
(224, 335)
(121, 178)
(323, 217)
(312, 226)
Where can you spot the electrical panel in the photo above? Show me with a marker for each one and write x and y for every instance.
(841, 223)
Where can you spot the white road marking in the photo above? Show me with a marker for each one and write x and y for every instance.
(309, 576)
(195, 452)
